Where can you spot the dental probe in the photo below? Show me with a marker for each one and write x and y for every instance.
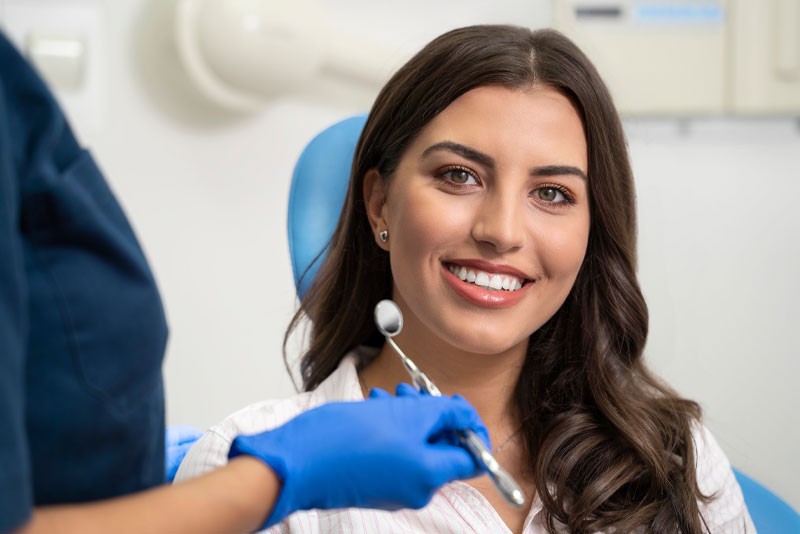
(389, 320)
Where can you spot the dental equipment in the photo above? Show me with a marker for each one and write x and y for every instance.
(389, 320)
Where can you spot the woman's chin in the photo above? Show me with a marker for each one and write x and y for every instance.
(484, 340)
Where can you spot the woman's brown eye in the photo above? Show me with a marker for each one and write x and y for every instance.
(551, 195)
(548, 194)
(459, 177)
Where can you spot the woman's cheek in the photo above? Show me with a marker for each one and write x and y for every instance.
(563, 248)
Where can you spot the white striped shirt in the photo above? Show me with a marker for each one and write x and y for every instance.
(456, 508)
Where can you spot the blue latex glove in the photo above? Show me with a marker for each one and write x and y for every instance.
(386, 452)
(179, 440)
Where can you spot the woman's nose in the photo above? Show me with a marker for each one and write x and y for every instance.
(498, 222)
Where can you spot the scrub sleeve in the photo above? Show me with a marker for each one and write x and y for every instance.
(82, 328)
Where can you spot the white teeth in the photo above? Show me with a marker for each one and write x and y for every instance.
(494, 282)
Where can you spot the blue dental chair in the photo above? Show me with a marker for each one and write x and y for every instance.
(770, 513)
(319, 187)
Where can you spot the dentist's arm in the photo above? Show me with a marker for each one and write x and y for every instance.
(384, 452)
(234, 498)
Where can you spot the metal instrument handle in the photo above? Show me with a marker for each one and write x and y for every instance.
(504, 483)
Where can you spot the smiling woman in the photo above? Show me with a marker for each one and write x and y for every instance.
(492, 199)
(469, 193)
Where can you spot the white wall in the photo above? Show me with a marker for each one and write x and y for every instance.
(719, 258)
(206, 192)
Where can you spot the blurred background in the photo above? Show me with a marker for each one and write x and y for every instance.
(198, 109)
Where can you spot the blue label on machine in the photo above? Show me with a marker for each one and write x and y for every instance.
(679, 12)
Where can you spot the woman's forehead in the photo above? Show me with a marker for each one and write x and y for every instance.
(536, 122)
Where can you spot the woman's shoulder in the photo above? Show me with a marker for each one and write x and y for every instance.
(712, 466)
(264, 415)
(708, 455)
(211, 450)
(725, 511)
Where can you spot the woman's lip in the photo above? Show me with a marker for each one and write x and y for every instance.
(483, 297)
(489, 267)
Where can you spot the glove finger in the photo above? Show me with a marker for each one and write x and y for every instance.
(378, 393)
(449, 437)
(406, 390)
(481, 430)
(177, 434)
(182, 449)
(483, 433)
(448, 463)
(458, 414)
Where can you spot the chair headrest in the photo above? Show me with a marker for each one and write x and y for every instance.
(319, 188)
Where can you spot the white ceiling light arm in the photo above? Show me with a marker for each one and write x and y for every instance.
(242, 53)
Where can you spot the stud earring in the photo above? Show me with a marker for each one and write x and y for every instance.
(383, 235)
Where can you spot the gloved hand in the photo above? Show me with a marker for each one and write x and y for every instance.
(385, 452)
(179, 439)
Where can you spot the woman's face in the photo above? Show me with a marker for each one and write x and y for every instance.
(488, 217)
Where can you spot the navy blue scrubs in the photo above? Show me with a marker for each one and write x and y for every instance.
(82, 328)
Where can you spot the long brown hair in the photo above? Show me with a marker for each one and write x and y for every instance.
(609, 445)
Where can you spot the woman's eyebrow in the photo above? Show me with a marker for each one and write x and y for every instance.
(487, 161)
(557, 170)
(462, 150)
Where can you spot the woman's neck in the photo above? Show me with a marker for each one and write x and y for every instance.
(487, 381)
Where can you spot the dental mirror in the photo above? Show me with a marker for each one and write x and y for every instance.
(388, 318)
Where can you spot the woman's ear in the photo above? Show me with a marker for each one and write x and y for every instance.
(375, 203)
